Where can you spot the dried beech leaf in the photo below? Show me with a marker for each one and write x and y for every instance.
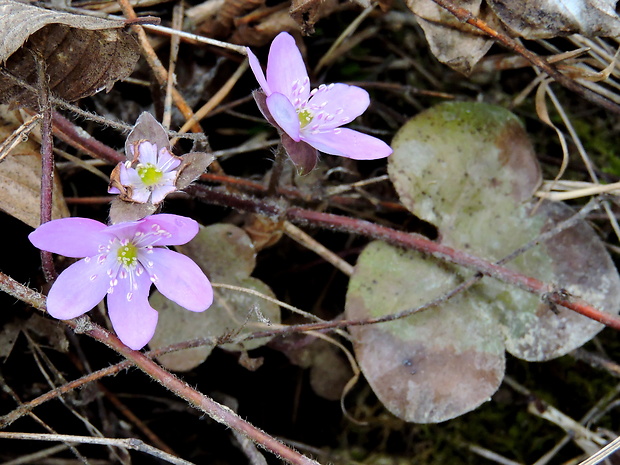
(47, 331)
(307, 12)
(470, 170)
(536, 19)
(20, 183)
(453, 42)
(63, 40)
(227, 255)
(18, 21)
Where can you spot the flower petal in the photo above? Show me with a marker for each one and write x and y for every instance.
(336, 104)
(284, 113)
(71, 237)
(258, 71)
(147, 152)
(159, 193)
(303, 155)
(78, 289)
(286, 70)
(133, 319)
(178, 278)
(166, 161)
(181, 228)
(348, 143)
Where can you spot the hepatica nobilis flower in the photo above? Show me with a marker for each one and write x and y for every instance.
(122, 261)
(151, 176)
(310, 120)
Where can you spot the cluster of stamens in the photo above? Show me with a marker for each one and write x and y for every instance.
(308, 112)
(149, 173)
(131, 257)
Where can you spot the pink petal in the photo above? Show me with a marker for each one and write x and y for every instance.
(78, 289)
(181, 228)
(178, 278)
(166, 161)
(147, 152)
(133, 320)
(349, 143)
(339, 104)
(258, 71)
(284, 113)
(129, 176)
(71, 237)
(159, 193)
(285, 67)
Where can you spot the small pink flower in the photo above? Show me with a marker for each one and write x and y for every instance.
(310, 120)
(151, 177)
(122, 261)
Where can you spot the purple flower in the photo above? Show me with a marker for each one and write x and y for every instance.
(153, 177)
(122, 261)
(311, 120)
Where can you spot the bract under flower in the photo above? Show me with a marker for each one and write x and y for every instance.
(122, 261)
(311, 117)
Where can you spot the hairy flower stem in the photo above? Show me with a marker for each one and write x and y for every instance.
(218, 412)
(47, 163)
(276, 171)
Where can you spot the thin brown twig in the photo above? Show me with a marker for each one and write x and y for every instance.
(131, 443)
(159, 71)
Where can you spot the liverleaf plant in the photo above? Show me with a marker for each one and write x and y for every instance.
(122, 261)
(470, 170)
(309, 120)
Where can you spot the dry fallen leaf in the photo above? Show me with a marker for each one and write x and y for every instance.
(453, 42)
(460, 45)
(20, 182)
(62, 40)
(536, 19)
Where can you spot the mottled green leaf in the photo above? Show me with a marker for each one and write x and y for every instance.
(469, 169)
(226, 254)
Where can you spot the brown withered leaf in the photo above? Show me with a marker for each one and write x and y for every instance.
(62, 40)
(20, 182)
(460, 45)
(307, 12)
(453, 42)
(536, 19)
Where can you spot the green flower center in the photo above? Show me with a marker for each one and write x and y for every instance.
(149, 173)
(127, 255)
(304, 117)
